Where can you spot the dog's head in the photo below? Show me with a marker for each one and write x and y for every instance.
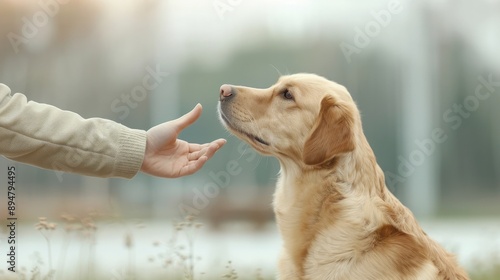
(303, 117)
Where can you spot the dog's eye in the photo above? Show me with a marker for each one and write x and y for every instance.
(287, 94)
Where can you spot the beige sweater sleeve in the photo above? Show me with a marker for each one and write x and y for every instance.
(45, 136)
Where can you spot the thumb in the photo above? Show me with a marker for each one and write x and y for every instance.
(189, 118)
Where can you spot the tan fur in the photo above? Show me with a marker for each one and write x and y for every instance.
(337, 218)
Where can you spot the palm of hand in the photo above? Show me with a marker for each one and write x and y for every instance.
(167, 156)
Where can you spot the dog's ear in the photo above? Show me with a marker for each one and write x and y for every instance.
(332, 133)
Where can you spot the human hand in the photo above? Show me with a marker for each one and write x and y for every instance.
(169, 157)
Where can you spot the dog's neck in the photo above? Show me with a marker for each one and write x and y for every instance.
(357, 168)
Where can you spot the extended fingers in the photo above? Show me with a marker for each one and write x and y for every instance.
(213, 147)
(219, 142)
(197, 151)
(199, 154)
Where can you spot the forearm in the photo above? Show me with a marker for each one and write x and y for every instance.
(51, 138)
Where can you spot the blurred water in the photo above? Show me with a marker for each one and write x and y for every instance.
(474, 241)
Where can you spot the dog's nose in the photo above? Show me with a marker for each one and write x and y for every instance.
(226, 91)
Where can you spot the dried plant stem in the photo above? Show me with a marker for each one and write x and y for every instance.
(49, 252)
(129, 244)
(91, 257)
(191, 256)
(62, 256)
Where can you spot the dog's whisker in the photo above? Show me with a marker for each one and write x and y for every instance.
(277, 70)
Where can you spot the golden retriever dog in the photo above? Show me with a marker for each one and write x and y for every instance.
(335, 214)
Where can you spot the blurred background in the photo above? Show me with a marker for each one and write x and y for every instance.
(425, 75)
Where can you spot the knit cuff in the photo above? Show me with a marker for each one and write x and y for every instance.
(132, 146)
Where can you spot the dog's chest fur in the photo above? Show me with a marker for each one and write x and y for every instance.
(310, 216)
(327, 228)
